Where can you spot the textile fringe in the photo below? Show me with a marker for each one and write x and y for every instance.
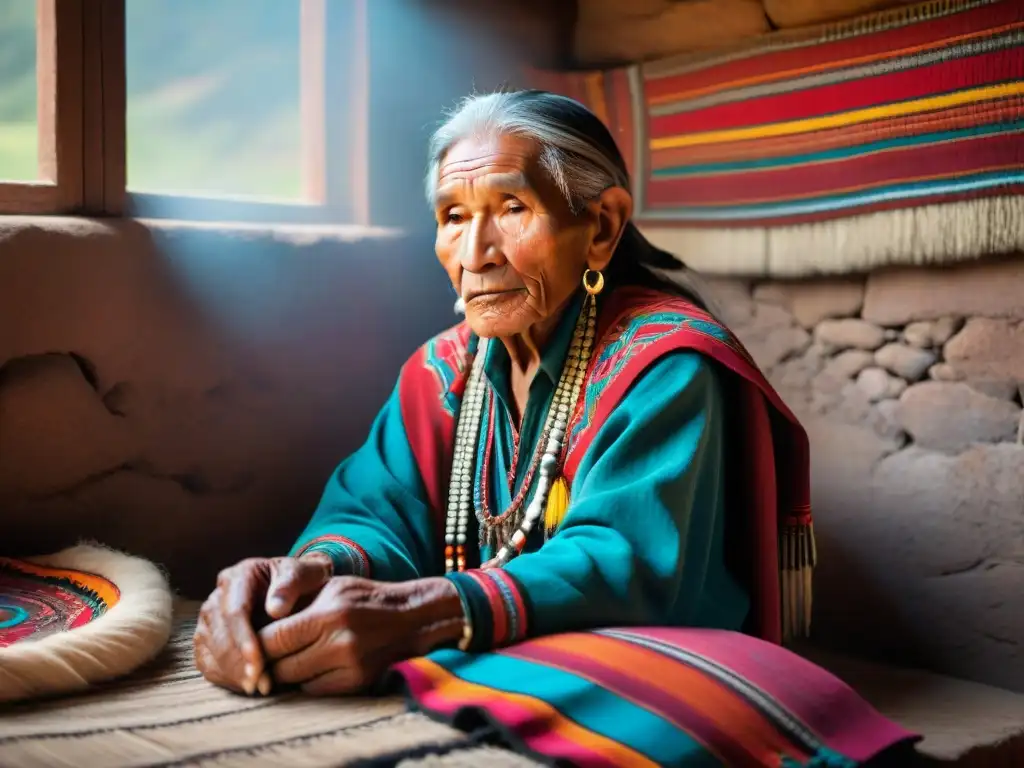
(944, 233)
(798, 555)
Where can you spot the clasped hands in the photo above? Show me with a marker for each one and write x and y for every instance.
(289, 621)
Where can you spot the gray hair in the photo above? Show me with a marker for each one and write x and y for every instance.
(580, 155)
(578, 167)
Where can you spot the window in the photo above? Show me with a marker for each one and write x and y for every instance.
(244, 110)
(228, 113)
(213, 97)
(40, 117)
(19, 121)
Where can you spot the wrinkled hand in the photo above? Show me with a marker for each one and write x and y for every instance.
(356, 628)
(227, 650)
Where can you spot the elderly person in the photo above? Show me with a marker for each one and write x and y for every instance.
(590, 448)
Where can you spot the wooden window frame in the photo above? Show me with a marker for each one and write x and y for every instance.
(59, 60)
(82, 123)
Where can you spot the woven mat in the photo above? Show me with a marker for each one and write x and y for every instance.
(168, 715)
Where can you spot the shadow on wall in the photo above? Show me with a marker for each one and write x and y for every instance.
(184, 394)
(428, 54)
(909, 383)
(858, 608)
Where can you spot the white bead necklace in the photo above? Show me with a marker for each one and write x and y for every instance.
(467, 434)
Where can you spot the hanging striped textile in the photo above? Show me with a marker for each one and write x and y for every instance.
(918, 105)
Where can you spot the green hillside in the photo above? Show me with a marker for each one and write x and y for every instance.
(18, 145)
(213, 95)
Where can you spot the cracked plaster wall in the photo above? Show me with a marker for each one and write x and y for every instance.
(184, 394)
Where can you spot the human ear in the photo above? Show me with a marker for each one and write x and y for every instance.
(611, 210)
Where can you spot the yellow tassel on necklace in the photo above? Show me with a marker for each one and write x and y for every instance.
(558, 505)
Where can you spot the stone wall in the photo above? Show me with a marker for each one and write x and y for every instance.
(910, 384)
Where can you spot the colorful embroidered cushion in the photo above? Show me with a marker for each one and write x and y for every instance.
(77, 617)
(37, 601)
(656, 697)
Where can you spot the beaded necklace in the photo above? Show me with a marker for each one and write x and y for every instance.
(506, 533)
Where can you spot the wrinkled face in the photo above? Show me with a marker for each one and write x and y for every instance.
(513, 249)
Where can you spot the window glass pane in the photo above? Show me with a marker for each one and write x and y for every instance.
(19, 134)
(213, 97)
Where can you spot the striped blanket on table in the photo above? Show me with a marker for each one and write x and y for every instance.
(167, 715)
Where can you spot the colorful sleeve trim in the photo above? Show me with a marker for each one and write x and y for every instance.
(496, 608)
(348, 557)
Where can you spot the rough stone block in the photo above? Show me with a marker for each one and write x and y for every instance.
(918, 334)
(812, 301)
(925, 334)
(849, 332)
(950, 417)
(901, 296)
(848, 364)
(877, 384)
(906, 362)
(890, 425)
(1001, 389)
(942, 330)
(945, 372)
(988, 349)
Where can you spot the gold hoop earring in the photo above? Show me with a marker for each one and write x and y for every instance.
(598, 282)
